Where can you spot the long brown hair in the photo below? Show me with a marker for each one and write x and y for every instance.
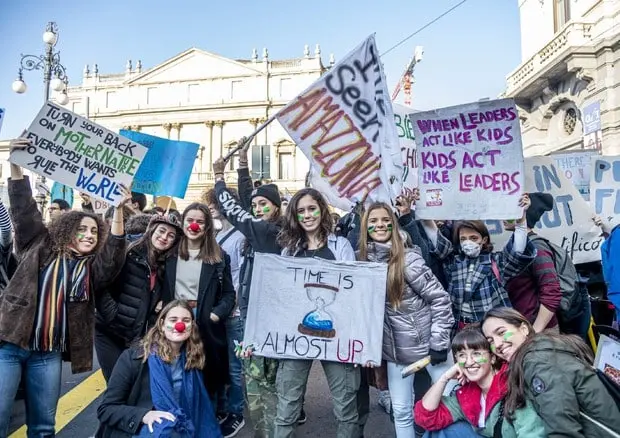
(479, 227)
(154, 257)
(292, 236)
(396, 264)
(516, 397)
(210, 251)
(155, 340)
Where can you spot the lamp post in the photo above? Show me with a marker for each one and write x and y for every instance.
(54, 78)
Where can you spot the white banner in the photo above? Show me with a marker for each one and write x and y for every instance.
(404, 129)
(471, 161)
(344, 124)
(605, 187)
(309, 308)
(78, 153)
(570, 223)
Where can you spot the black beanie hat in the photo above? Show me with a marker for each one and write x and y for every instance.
(269, 191)
(540, 203)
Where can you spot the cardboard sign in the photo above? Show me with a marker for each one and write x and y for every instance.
(404, 128)
(344, 124)
(608, 358)
(310, 308)
(470, 161)
(576, 167)
(74, 151)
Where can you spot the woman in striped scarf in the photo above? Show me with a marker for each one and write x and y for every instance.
(47, 309)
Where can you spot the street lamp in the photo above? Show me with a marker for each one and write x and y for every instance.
(54, 79)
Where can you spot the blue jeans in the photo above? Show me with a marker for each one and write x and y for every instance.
(42, 375)
(232, 401)
(461, 429)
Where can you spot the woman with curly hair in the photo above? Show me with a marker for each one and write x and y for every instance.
(47, 311)
(156, 388)
(307, 232)
(129, 307)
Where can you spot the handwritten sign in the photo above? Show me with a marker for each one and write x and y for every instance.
(576, 167)
(309, 308)
(605, 187)
(471, 161)
(79, 153)
(2, 112)
(99, 206)
(608, 358)
(570, 223)
(167, 167)
(344, 124)
(404, 129)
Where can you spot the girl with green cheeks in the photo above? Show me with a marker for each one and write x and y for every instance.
(477, 408)
(554, 373)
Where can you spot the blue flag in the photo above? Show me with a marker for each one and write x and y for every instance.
(61, 191)
(167, 165)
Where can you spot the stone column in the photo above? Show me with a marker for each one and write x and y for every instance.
(178, 127)
(220, 124)
(167, 127)
(209, 124)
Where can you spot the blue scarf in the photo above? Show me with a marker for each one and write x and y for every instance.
(193, 412)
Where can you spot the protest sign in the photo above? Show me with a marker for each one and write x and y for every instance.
(576, 167)
(79, 153)
(99, 206)
(605, 187)
(471, 161)
(344, 124)
(570, 223)
(404, 129)
(310, 308)
(608, 358)
(2, 112)
(167, 166)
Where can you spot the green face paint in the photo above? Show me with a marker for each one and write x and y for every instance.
(493, 348)
(462, 364)
(371, 229)
(508, 335)
(482, 360)
(389, 227)
(300, 217)
(81, 235)
(266, 209)
(316, 213)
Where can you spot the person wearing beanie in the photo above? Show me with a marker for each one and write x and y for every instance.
(136, 226)
(256, 214)
(128, 308)
(536, 293)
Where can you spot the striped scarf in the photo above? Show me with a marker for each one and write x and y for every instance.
(64, 280)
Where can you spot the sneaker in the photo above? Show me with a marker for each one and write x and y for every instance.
(232, 425)
(385, 402)
(302, 417)
(221, 417)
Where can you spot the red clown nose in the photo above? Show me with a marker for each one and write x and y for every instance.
(194, 227)
(180, 327)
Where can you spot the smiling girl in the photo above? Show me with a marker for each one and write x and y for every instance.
(307, 232)
(47, 311)
(418, 313)
(554, 373)
(477, 408)
(156, 389)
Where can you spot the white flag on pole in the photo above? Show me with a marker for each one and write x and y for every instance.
(344, 124)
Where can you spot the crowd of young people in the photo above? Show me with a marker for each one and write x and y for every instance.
(162, 298)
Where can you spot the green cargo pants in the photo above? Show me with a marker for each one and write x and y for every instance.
(260, 383)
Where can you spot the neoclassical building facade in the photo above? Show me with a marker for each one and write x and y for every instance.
(567, 85)
(211, 100)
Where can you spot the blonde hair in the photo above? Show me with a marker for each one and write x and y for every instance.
(155, 340)
(396, 264)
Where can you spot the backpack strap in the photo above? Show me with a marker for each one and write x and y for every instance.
(226, 237)
(497, 429)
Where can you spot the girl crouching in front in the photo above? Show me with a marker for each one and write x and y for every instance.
(156, 389)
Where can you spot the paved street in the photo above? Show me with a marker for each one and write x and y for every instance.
(78, 412)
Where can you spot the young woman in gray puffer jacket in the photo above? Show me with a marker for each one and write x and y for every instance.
(418, 312)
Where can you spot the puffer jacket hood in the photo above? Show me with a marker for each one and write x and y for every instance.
(424, 318)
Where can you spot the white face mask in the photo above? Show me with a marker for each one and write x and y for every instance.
(471, 249)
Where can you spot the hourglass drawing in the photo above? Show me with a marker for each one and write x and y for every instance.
(319, 322)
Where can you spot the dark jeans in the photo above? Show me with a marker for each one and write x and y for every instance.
(109, 348)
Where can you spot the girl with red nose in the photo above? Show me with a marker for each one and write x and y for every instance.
(157, 388)
(199, 273)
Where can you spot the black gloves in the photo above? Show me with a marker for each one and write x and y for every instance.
(438, 357)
